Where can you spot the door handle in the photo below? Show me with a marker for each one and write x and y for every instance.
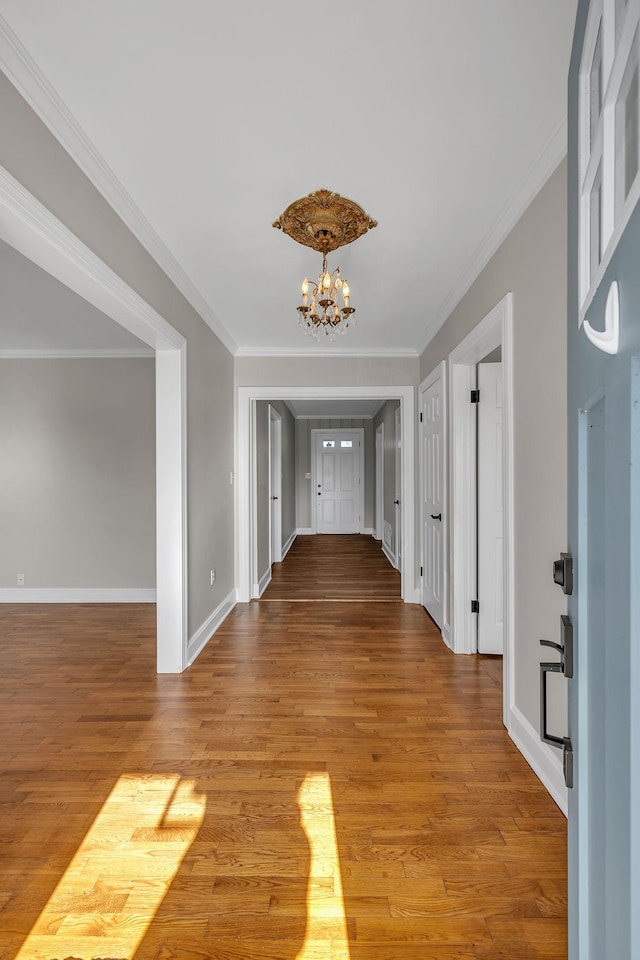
(319, 494)
(397, 503)
(565, 667)
(274, 498)
(436, 516)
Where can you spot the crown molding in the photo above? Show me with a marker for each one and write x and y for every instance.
(32, 85)
(327, 353)
(538, 174)
(106, 354)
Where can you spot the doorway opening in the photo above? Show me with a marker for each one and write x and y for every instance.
(494, 332)
(28, 227)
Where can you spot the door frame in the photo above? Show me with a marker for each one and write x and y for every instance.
(342, 431)
(379, 475)
(245, 468)
(34, 231)
(438, 373)
(397, 468)
(275, 488)
(496, 329)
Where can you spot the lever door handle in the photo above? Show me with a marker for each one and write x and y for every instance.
(436, 516)
(397, 503)
(274, 498)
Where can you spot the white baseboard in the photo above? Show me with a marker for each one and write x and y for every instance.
(446, 635)
(260, 587)
(289, 544)
(390, 557)
(367, 531)
(203, 634)
(77, 595)
(540, 757)
(304, 531)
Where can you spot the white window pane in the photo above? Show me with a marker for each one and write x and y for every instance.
(631, 133)
(595, 87)
(595, 224)
(328, 443)
(346, 443)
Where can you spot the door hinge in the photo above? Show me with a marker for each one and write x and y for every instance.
(420, 416)
(475, 606)
(420, 571)
(475, 396)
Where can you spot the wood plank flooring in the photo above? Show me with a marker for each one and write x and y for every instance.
(326, 781)
(334, 567)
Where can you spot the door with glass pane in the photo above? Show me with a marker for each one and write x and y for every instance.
(604, 481)
(338, 481)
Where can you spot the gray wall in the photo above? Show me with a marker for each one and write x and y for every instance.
(326, 371)
(35, 158)
(387, 416)
(77, 472)
(288, 492)
(532, 264)
(304, 464)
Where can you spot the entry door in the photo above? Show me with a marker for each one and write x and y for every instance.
(338, 492)
(432, 438)
(490, 496)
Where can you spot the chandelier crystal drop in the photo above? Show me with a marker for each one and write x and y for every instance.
(325, 221)
(324, 316)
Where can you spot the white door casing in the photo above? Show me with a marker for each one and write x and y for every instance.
(245, 469)
(397, 546)
(379, 480)
(275, 486)
(490, 510)
(432, 497)
(338, 468)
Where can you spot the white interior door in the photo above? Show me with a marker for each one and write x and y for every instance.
(398, 498)
(432, 441)
(338, 491)
(275, 485)
(490, 510)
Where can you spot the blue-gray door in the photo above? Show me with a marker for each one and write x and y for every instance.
(604, 524)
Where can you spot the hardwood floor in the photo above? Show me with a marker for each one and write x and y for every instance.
(326, 781)
(334, 567)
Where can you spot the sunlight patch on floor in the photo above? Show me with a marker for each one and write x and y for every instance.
(326, 919)
(113, 887)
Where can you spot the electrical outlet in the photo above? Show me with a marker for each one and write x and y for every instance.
(213, 576)
(21, 579)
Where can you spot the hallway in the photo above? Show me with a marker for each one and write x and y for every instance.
(326, 781)
(334, 567)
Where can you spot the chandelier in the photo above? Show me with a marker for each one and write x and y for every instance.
(325, 221)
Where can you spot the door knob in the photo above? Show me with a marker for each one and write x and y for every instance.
(436, 516)
(397, 503)
(274, 498)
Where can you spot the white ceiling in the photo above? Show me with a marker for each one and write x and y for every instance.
(442, 118)
(40, 316)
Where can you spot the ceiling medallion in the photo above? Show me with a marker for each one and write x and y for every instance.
(325, 221)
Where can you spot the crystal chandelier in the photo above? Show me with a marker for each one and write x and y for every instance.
(325, 221)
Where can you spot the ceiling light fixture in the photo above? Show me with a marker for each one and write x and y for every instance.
(325, 221)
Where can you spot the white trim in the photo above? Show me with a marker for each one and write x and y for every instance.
(107, 354)
(538, 174)
(541, 758)
(274, 441)
(446, 635)
(246, 397)
(382, 353)
(77, 595)
(340, 431)
(289, 544)
(31, 229)
(367, 531)
(260, 587)
(379, 477)
(31, 83)
(438, 373)
(304, 532)
(494, 330)
(339, 416)
(204, 633)
(390, 557)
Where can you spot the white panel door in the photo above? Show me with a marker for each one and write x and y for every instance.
(398, 502)
(338, 490)
(431, 500)
(490, 510)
